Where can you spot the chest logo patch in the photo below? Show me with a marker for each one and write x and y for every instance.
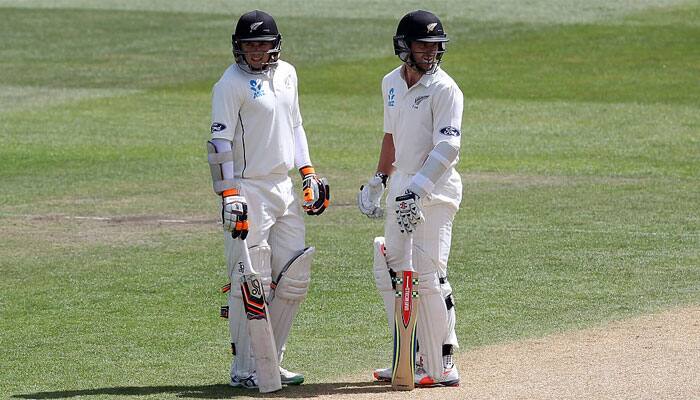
(391, 98)
(419, 100)
(256, 88)
(450, 131)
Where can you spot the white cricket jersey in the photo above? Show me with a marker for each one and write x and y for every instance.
(419, 118)
(258, 114)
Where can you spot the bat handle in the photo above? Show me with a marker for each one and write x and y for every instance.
(244, 258)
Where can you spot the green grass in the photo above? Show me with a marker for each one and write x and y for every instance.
(579, 161)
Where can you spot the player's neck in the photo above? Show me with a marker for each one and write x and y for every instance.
(411, 75)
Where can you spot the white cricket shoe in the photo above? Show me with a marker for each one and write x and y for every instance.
(250, 382)
(450, 377)
(290, 378)
(383, 374)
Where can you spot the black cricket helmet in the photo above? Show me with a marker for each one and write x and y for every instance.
(256, 26)
(420, 26)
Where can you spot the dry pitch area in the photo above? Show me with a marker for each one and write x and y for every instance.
(650, 357)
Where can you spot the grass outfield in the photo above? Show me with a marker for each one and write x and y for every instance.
(581, 146)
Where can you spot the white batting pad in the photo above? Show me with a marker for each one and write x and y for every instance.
(382, 278)
(436, 324)
(291, 287)
(244, 364)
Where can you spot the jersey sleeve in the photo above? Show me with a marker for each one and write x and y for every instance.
(447, 116)
(387, 116)
(225, 104)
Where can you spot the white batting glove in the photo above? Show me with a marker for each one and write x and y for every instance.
(234, 214)
(409, 211)
(370, 196)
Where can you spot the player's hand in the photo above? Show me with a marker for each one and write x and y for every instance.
(234, 214)
(316, 191)
(409, 211)
(370, 196)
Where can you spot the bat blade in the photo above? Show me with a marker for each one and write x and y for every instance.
(405, 317)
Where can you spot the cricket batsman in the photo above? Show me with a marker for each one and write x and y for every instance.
(257, 137)
(422, 125)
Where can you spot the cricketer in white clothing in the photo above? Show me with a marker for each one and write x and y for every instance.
(256, 138)
(422, 125)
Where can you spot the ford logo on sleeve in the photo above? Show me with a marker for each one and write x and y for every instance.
(450, 131)
(217, 127)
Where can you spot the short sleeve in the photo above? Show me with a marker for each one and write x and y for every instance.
(388, 127)
(225, 105)
(447, 115)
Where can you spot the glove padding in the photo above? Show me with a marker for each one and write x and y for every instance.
(234, 216)
(409, 211)
(317, 194)
(370, 196)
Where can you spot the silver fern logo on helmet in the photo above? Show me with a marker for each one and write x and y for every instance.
(255, 25)
(431, 27)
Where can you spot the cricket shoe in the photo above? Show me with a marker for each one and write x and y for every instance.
(290, 378)
(250, 382)
(384, 374)
(449, 377)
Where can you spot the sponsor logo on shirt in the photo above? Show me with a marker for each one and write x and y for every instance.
(419, 100)
(391, 98)
(217, 127)
(256, 88)
(450, 131)
(288, 82)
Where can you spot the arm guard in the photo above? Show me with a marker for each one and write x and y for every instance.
(221, 166)
(441, 158)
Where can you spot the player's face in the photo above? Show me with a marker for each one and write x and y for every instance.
(256, 53)
(424, 54)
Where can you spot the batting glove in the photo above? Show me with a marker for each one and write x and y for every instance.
(317, 193)
(370, 196)
(234, 214)
(409, 211)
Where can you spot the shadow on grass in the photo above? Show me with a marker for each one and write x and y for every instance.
(219, 391)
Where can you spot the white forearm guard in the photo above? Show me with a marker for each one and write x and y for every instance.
(221, 165)
(440, 159)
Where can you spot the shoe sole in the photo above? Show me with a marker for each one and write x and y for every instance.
(452, 383)
(380, 378)
(241, 386)
(293, 381)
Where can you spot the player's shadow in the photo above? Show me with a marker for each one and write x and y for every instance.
(218, 391)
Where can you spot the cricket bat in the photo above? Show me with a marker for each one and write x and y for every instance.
(405, 316)
(261, 338)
